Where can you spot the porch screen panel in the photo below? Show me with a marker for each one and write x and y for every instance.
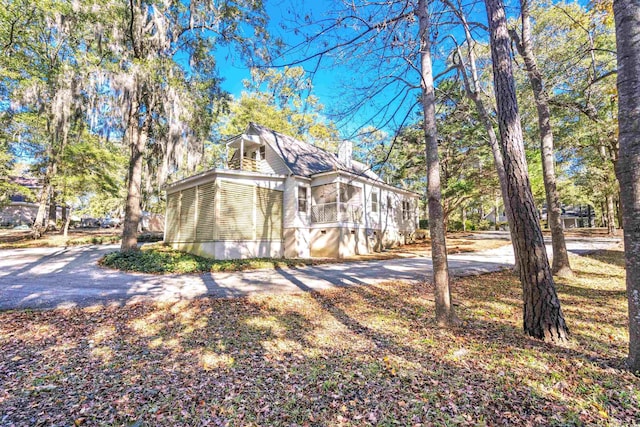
(324, 194)
(173, 216)
(206, 212)
(188, 215)
(236, 211)
(268, 214)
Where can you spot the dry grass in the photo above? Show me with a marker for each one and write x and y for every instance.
(14, 239)
(456, 243)
(351, 356)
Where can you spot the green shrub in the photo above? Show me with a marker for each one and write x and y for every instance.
(484, 225)
(158, 258)
(423, 224)
(457, 226)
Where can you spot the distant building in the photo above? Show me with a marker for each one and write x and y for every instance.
(21, 209)
(579, 216)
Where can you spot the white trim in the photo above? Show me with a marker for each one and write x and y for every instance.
(211, 175)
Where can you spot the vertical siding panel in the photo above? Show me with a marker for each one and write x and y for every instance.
(173, 216)
(205, 228)
(236, 211)
(188, 208)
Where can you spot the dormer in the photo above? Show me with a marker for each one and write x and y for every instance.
(246, 152)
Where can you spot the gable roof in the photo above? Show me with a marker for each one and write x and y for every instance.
(304, 159)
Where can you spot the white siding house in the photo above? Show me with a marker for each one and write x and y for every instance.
(281, 197)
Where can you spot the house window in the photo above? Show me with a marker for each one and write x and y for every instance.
(263, 152)
(374, 202)
(406, 209)
(302, 199)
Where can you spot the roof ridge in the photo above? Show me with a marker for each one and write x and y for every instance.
(295, 139)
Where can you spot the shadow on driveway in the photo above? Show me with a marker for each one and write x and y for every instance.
(68, 277)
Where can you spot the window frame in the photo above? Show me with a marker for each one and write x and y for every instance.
(406, 210)
(375, 203)
(303, 201)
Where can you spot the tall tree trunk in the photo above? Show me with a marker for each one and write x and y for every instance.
(619, 210)
(627, 18)
(138, 138)
(66, 218)
(473, 91)
(38, 228)
(53, 213)
(65, 213)
(445, 314)
(609, 211)
(464, 218)
(542, 314)
(611, 216)
(560, 266)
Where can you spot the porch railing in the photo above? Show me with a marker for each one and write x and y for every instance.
(247, 164)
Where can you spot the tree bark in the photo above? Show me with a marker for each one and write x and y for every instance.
(561, 265)
(138, 138)
(65, 214)
(627, 19)
(542, 314)
(66, 218)
(473, 91)
(445, 314)
(464, 218)
(618, 205)
(53, 213)
(38, 228)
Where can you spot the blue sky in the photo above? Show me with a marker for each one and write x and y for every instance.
(328, 79)
(234, 69)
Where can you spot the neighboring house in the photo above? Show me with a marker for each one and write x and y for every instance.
(20, 210)
(574, 216)
(281, 197)
(571, 217)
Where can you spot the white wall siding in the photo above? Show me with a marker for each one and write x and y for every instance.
(232, 249)
(273, 163)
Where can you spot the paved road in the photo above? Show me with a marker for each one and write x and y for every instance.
(67, 277)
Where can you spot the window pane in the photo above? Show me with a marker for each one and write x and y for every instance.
(302, 199)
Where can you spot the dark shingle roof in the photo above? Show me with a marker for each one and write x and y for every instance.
(305, 159)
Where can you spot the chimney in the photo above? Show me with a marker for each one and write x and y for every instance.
(345, 152)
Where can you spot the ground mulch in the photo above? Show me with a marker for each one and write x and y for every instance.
(363, 355)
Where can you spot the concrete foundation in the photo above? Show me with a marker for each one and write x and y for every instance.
(233, 249)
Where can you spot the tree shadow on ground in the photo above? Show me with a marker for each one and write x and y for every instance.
(355, 355)
(608, 257)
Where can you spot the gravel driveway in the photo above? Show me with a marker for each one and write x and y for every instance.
(67, 277)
